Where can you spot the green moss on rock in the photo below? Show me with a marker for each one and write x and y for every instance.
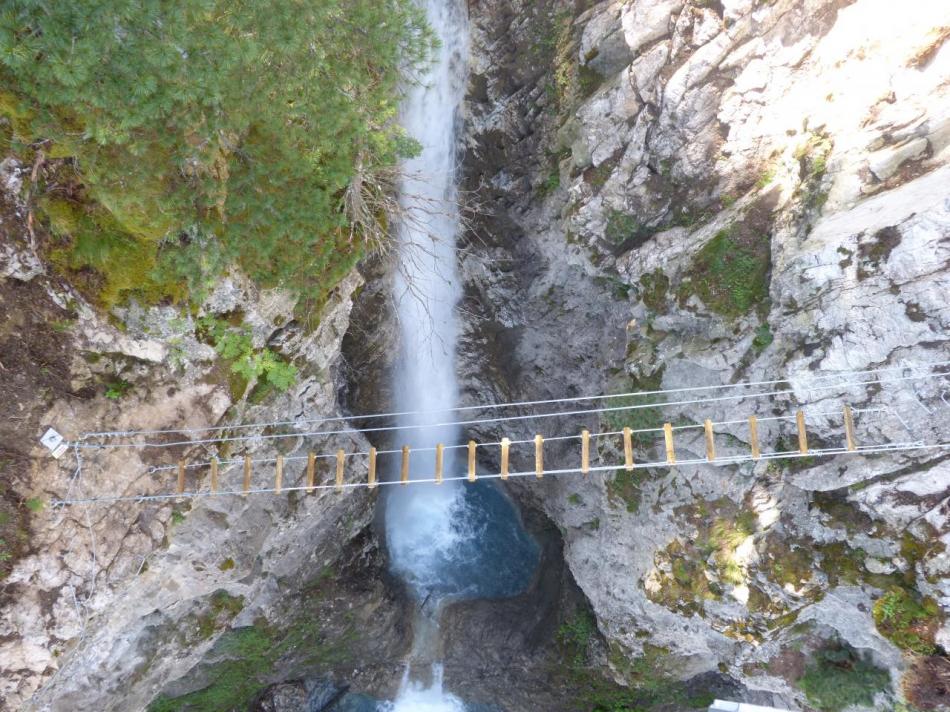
(838, 678)
(730, 274)
(908, 620)
(654, 287)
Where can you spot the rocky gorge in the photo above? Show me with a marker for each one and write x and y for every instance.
(661, 194)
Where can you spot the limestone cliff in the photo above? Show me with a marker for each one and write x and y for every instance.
(676, 194)
(118, 606)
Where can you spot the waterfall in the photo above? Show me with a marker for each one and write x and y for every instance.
(420, 520)
(451, 540)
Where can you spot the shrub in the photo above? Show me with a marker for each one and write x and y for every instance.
(117, 388)
(235, 346)
(245, 122)
(625, 231)
(763, 338)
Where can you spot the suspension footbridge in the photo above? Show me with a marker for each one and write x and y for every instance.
(808, 416)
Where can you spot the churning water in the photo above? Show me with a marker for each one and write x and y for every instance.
(454, 540)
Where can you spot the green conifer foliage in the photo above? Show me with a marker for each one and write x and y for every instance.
(239, 121)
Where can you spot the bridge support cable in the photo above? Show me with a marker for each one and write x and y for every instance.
(608, 440)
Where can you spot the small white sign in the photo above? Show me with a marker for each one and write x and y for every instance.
(55, 443)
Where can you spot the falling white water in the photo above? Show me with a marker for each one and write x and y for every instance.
(416, 697)
(445, 541)
(421, 522)
(422, 528)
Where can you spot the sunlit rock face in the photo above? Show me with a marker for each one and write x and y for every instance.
(685, 194)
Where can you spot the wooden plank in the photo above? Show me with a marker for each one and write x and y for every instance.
(628, 449)
(214, 475)
(710, 440)
(849, 429)
(311, 470)
(505, 445)
(180, 489)
(585, 452)
(802, 435)
(340, 460)
(538, 456)
(404, 470)
(372, 467)
(279, 474)
(471, 461)
(438, 464)
(754, 437)
(668, 437)
(247, 474)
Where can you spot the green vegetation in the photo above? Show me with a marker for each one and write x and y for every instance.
(720, 529)
(575, 636)
(251, 653)
(574, 499)
(183, 138)
(34, 504)
(246, 363)
(650, 687)
(731, 272)
(551, 183)
(625, 231)
(685, 589)
(653, 290)
(907, 620)
(177, 516)
(227, 564)
(555, 46)
(766, 177)
(790, 565)
(117, 388)
(617, 287)
(722, 540)
(763, 338)
(812, 157)
(245, 658)
(637, 412)
(838, 678)
(224, 607)
(625, 486)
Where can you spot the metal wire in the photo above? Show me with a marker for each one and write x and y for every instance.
(658, 464)
(494, 406)
(511, 418)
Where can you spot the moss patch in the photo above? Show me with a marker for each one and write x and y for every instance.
(625, 232)
(695, 564)
(654, 287)
(730, 274)
(224, 607)
(248, 656)
(650, 687)
(908, 620)
(837, 678)
(787, 564)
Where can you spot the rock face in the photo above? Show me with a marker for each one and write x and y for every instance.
(115, 606)
(666, 194)
(683, 194)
